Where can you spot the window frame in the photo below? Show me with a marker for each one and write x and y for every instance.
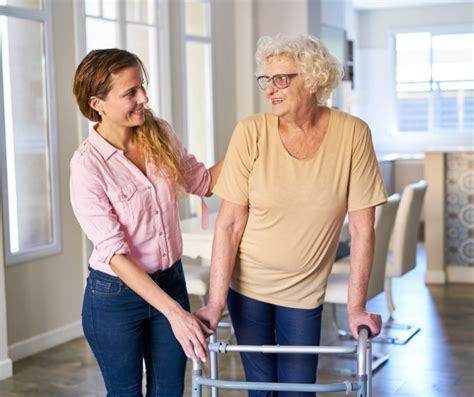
(433, 30)
(193, 205)
(209, 40)
(45, 16)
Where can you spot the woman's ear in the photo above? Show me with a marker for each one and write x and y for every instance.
(94, 103)
(314, 89)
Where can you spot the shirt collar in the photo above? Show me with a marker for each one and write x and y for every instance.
(105, 149)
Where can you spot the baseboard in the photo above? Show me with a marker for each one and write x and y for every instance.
(6, 369)
(460, 274)
(435, 277)
(45, 341)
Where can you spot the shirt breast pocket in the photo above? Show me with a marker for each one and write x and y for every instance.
(126, 203)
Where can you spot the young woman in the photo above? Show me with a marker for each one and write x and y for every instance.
(125, 180)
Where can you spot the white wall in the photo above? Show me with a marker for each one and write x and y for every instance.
(374, 97)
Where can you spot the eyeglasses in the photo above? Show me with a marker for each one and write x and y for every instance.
(280, 81)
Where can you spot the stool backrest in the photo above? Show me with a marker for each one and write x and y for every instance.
(405, 232)
(384, 220)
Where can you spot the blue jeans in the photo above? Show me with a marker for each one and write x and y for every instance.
(123, 329)
(260, 323)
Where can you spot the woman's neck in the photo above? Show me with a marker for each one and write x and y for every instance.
(306, 121)
(121, 138)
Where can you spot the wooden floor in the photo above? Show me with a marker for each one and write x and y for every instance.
(437, 362)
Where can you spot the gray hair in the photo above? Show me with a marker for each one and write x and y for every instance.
(316, 64)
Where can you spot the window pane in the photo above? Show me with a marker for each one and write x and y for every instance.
(453, 57)
(413, 57)
(101, 34)
(141, 40)
(413, 87)
(141, 11)
(109, 9)
(36, 4)
(199, 107)
(199, 94)
(446, 110)
(93, 8)
(456, 85)
(468, 111)
(197, 18)
(413, 111)
(27, 144)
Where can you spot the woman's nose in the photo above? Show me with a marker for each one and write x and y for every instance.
(270, 89)
(143, 97)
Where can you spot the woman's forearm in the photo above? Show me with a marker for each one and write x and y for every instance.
(188, 330)
(215, 171)
(230, 226)
(140, 282)
(362, 251)
(361, 228)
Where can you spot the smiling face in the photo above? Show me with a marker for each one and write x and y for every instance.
(291, 101)
(124, 105)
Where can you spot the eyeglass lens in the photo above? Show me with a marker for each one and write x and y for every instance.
(279, 81)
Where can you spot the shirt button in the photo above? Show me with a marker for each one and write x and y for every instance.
(164, 254)
(157, 212)
(161, 233)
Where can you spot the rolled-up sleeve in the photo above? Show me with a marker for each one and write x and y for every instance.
(196, 176)
(94, 213)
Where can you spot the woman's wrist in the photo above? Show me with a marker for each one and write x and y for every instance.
(171, 309)
(217, 305)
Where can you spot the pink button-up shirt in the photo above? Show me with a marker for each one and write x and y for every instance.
(122, 211)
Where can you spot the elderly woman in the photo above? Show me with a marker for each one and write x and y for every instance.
(288, 180)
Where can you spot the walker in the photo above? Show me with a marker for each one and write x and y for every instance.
(363, 385)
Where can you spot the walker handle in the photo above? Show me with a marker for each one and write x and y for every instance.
(366, 327)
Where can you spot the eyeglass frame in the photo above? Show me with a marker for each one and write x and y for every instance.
(267, 80)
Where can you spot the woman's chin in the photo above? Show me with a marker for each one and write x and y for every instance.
(138, 121)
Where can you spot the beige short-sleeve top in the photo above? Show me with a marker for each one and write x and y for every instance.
(296, 207)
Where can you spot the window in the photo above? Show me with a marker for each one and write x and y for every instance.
(435, 82)
(28, 130)
(198, 84)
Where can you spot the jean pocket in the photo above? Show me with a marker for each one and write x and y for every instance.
(105, 287)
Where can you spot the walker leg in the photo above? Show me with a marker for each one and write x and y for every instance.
(369, 369)
(197, 371)
(213, 367)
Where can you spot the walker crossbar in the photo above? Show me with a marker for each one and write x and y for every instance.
(303, 387)
(221, 347)
(362, 385)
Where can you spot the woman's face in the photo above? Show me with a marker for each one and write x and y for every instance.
(124, 106)
(292, 100)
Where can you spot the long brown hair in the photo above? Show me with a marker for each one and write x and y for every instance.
(93, 77)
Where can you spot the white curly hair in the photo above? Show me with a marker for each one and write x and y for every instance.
(316, 64)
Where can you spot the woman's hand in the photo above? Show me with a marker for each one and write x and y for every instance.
(190, 333)
(360, 316)
(211, 313)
